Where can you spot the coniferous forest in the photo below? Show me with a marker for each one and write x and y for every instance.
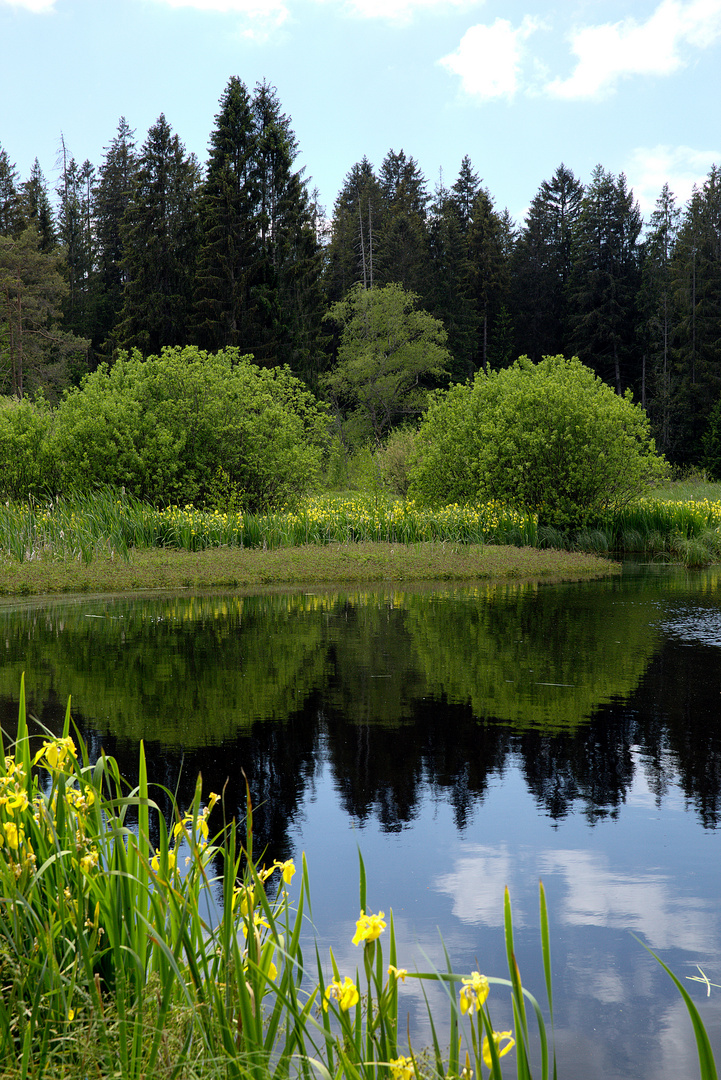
(150, 247)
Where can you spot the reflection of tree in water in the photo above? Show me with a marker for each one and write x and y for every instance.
(403, 695)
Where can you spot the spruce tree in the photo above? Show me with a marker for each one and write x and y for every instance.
(229, 226)
(605, 281)
(111, 201)
(402, 239)
(38, 210)
(658, 317)
(11, 218)
(352, 252)
(542, 263)
(159, 236)
(451, 294)
(696, 270)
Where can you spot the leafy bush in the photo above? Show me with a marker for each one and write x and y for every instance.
(25, 466)
(162, 427)
(548, 438)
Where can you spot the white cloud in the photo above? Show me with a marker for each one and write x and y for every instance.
(612, 51)
(258, 18)
(649, 168)
(38, 7)
(489, 58)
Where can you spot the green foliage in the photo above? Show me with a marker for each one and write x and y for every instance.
(26, 468)
(161, 427)
(549, 438)
(389, 353)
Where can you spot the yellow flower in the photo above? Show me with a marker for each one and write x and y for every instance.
(474, 992)
(369, 927)
(402, 1068)
(345, 993)
(11, 834)
(499, 1037)
(397, 973)
(286, 868)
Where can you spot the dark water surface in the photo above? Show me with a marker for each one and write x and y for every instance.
(465, 738)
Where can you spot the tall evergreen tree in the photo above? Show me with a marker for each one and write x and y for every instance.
(402, 247)
(451, 293)
(229, 226)
(697, 276)
(11, 219)
(542, 264)
(465, 190)
(159, 236)
(111, 201)
(352, 252)
(487, 249)
(76, 235)
(38, 210)
(658, 317)
(605, 281)
(286, 288)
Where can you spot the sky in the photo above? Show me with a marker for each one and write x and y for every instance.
(519, 86)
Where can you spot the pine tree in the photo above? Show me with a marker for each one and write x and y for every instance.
(286, 294)
(465, 190)
(35, 348)
(159, 236)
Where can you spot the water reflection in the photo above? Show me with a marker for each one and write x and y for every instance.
(467, 739)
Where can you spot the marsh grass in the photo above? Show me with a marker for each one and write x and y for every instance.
(108, 525)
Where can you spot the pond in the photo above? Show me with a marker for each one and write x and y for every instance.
(464, 739)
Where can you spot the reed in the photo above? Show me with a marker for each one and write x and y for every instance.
(111, 523)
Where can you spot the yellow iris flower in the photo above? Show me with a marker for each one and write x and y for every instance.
(345, 993)
(402, 1068)
(473, 992)
(499, 1038)
(369, 927)
(397, 973)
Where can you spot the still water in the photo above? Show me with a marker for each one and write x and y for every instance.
(464, 739)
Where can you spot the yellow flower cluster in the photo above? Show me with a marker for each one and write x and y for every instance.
(20, 818)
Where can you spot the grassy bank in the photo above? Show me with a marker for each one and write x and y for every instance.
(242, 568)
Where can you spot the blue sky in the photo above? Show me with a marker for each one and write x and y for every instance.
(518, 86)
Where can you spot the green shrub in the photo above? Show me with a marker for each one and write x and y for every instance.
(162, 427)
(26, 468)
(548, 438)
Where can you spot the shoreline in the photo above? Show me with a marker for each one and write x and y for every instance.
(253, 569)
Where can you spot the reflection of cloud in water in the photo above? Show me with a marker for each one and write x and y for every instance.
(594, 895)
(644, 903)
(695, 626)
(477, 884)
